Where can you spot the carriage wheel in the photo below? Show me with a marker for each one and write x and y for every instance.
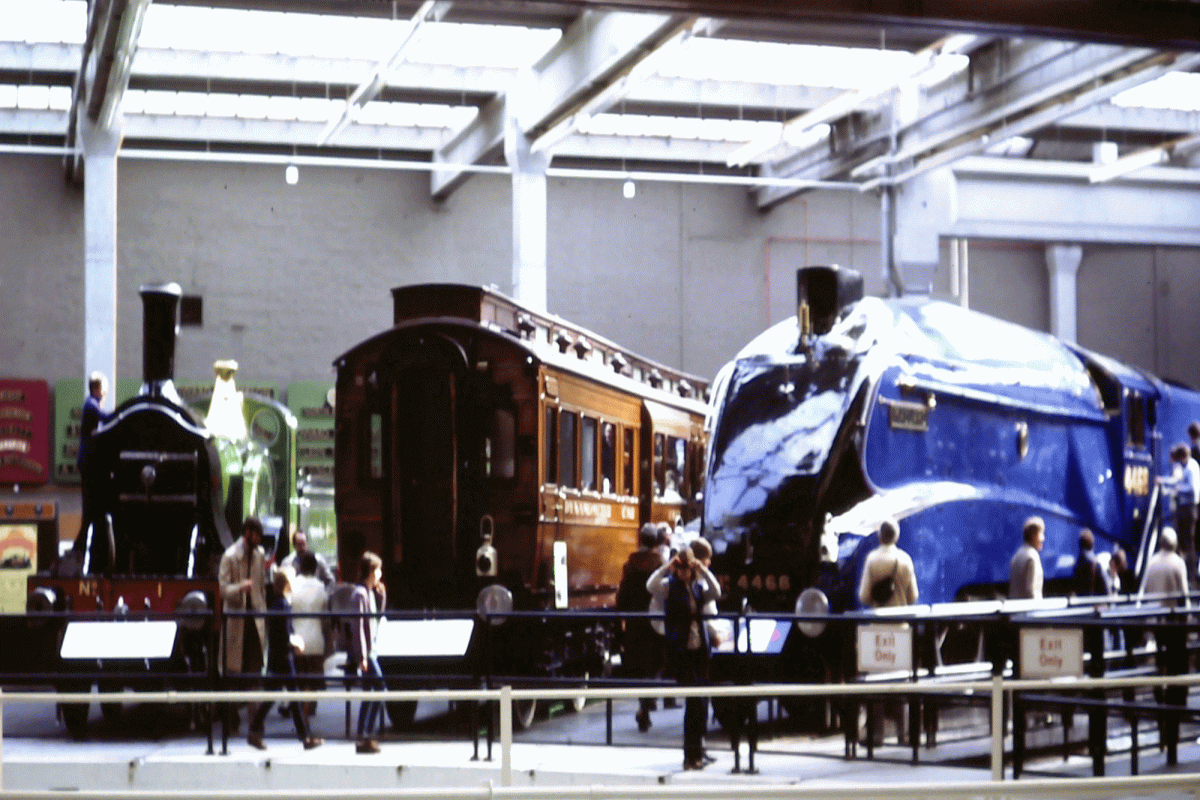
(402, 713)
(523, 712)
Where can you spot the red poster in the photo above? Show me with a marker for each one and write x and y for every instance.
(24, 431)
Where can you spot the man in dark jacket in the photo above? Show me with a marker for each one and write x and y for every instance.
(642, 651)
(1088, 579)
(92, 417)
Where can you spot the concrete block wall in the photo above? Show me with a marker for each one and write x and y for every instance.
(291, 276)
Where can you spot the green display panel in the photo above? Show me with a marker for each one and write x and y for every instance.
(312, 403)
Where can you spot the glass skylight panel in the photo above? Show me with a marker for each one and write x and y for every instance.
(32, 97)
(317, 109)
(287, 108)
(35, 97)
(42, 21)
(1179, 91)
(266, 32)
(471, 45)
(419, 115)
(338, 36)
(703, 58)
(719, 130)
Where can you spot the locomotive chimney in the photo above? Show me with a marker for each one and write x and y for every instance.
(823, 292)
(160, 309)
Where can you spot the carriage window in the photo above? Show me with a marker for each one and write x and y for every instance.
(660, 466)
(629, 461)
(550, 451)
(375, 447)
(567, 423)
(502, 445)
(587, 454)
(608, 457)
(675, 460)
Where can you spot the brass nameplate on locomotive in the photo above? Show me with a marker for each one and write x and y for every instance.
(907, 416)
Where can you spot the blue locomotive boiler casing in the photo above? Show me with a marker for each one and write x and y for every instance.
(957, 424)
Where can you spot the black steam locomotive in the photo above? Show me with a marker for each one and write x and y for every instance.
(162, 494)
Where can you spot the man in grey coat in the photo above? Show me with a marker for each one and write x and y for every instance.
(243, 576)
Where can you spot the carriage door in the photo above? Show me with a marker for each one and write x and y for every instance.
(421, 455)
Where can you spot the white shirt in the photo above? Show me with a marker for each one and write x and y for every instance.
(308, 594)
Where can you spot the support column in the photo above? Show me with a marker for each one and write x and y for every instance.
(925, 207)
(100, 147)
(528, 213)
(1062, 260)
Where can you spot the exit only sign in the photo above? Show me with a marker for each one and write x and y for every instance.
(1051, 652)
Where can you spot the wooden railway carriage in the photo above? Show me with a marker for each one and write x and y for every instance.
(490, 454)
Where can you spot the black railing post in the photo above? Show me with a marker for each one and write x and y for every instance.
(1093, 637)
(211, 672)
(1018, 705)
(914, 702)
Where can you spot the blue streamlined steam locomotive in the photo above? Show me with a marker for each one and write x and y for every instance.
(957, 424)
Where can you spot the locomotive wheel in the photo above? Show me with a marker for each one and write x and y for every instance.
(75, 717)
(110, 710)
(402, 713)
(576, 704)
(523, 712)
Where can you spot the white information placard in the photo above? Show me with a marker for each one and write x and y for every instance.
(884, 647)
(1051, 652)
(410, 638)
(119, 639)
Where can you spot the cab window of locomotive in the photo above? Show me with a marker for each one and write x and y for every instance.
(608, 457)
(502, 445)
(567, 423)
(628, 461)
(550, 453)
(375, 447)
(587, 454)
(1137, 420)
(660, 466)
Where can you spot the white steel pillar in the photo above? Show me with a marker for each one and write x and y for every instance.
(1062, 260)
(100, 146)
(528, 213)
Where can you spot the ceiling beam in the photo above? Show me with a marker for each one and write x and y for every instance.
(590, 56)
(110, 56)
(1162, 23)
(369, 88)
(1012, 87)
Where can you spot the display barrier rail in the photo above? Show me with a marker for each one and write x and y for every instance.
(1004, 687)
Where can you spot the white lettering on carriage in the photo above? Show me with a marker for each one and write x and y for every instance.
(588, 510)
